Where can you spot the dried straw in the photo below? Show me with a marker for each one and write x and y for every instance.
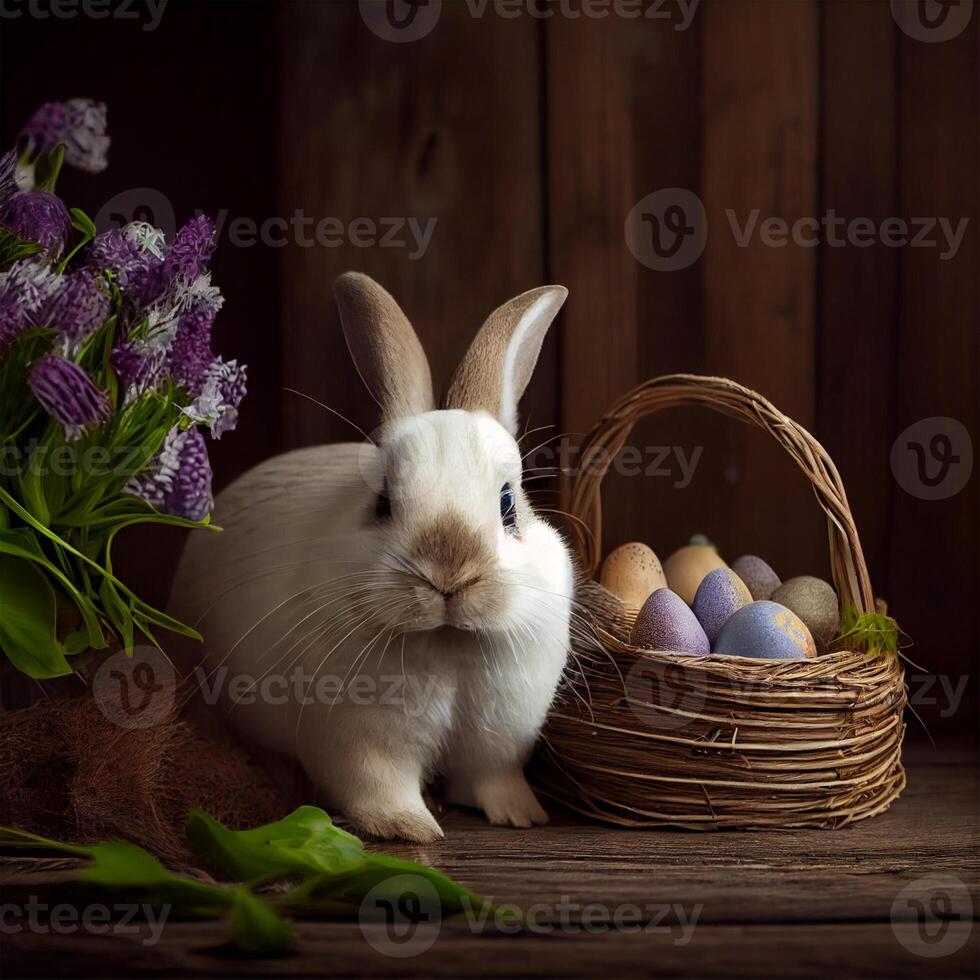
(646, 738)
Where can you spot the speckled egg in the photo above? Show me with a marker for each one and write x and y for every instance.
(760, 579)
(631, 573)
(720, 594)
(766, 630)
(815, 602)
(666, 623)
(687, 566)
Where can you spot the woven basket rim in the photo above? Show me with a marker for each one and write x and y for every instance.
(609, 434)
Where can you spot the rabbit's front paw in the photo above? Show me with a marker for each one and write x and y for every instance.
(507, 800)
(415, 825)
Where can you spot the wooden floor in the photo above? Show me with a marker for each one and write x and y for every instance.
(896, 896)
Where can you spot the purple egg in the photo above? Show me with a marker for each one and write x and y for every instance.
(765, 630)
(720, 594)
(758, 577)
(666, 623)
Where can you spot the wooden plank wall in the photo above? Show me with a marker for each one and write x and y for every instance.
(532, 140)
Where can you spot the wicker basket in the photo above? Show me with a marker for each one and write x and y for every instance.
(644, 738)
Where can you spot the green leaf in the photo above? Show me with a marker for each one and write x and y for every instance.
(48, 168)
(22, 543)
(135, 874)
(256, 927)
(28, 618)
(306, 841)
(80, 221)
(339, 872)
(13, 248)
(120, 614)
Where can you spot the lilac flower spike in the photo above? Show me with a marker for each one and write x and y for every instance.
(38, 216)
(179, 480)
(78, 123)
(137, 272)
(137, 366)
(192, 247)
(190, 355)
(33, 285)
(222, 393)
(80, 309)
(68, 395)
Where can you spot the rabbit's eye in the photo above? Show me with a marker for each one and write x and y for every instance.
(382, 506)
(508, 509)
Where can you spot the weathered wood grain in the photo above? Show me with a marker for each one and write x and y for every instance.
(857, 298)
(760, 104)
(762, 904)
(938, 352)
(444, 128)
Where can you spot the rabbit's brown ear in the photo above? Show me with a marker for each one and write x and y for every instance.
(500, 361)
(385, 349)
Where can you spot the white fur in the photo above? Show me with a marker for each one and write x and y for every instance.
(481, 689)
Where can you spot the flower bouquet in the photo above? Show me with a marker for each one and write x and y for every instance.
(107, 381)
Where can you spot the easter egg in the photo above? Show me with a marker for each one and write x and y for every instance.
(760, 579)
(720, 594)
(631, 573)
(701, 539)
(666, 623)
(767, 630)
(687, 566)
(815, 602)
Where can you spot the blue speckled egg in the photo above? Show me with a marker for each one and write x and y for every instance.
(760, 579)
(720, 594)
(766, 630)
(666, 623)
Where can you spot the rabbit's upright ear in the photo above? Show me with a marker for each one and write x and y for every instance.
(501, 359)
(385, 349)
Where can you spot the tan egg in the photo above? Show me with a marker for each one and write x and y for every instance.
(687, 566)
(631, 573)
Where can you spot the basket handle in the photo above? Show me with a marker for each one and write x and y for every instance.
(611, 432)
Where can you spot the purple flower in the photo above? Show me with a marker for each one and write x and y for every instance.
(78, 123)
(8, 179)
(179, 479)
(138, 273)
(137, 366)
(38, 216)
(79, 309)
(33, 285)
(190, 354)
(192, 247)
(222, 392)
(68, 395)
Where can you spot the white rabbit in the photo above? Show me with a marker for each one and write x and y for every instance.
(410, 577)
